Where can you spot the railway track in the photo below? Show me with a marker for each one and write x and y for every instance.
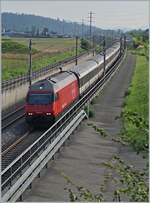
(12, 117)
(11, 153)
(41, 139)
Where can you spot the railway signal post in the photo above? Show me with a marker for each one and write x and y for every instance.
(30, 62)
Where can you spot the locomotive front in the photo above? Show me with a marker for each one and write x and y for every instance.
(39, 102)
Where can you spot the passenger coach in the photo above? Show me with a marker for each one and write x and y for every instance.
(47, 99)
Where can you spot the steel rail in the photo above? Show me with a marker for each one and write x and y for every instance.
(15, 143)
(51, 133)
(62, 117)
(21, 108)
(11, 122)
(28, 176)
(9, 118)
(11, 113)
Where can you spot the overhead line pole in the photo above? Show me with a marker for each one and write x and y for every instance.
(120, 45)
(82, 27)
(93, 45)
(76, 50)
(104, 55)
(30, 62)
(124, 42)
(91, 21)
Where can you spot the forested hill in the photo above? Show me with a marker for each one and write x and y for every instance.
(32, 23)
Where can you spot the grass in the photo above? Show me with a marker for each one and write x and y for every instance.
(15, 47)
(135, 112)
(50, 45)
(45, 51)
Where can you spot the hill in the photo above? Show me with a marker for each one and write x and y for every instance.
(36, 24)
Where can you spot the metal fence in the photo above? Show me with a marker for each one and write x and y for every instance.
(24, 78)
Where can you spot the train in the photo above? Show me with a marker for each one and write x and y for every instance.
(49, 98)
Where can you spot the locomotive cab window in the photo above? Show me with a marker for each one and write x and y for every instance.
(40, 99)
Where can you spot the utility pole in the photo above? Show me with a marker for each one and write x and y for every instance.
(63, 27)
(104, 54)
(75, 30)
(30, 62)
(93, 45)
(112, 37)
(76, 50)
(82, 27)
(120, 45)
(125, 42)
(91, 21)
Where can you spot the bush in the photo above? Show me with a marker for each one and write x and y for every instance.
(9, 46)
(85, 44)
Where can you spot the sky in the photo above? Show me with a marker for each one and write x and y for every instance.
(107, 14)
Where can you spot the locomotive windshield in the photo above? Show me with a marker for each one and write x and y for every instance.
(39, 99)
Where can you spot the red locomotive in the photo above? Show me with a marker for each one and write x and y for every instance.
(50, 97)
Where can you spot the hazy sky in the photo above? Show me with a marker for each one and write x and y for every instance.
(108, 14)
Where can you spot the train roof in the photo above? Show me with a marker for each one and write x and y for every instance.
(54, 83)
(110, 51)
(98, 58)
(82, 69)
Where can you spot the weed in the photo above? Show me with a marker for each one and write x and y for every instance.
(132, 182)
(101, 131)
(135, 112)
(89, 111)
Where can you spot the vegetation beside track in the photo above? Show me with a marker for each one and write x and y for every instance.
(44, 52)
(128, 183)
(135, 112)
(9, 46)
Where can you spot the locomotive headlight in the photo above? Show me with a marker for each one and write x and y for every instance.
(30, 114)
(48, 113)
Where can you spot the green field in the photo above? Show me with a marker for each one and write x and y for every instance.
(136, 107)
(44, 51)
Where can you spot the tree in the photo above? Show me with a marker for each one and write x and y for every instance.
(85, 44)
(38, 32)
(33, 30)
(45, 31)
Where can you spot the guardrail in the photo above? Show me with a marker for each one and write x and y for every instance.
(28, 176)
(8, 84)
(25, 165)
